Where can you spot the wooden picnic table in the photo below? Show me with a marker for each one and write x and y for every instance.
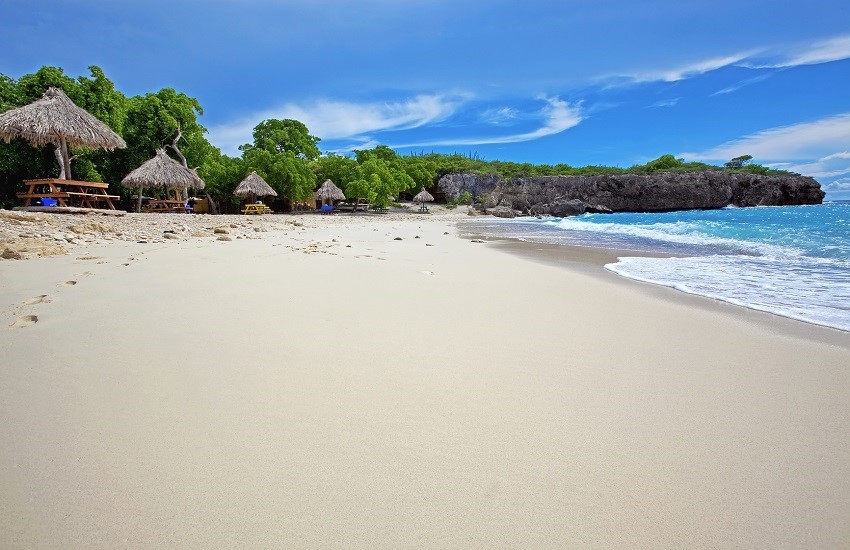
(359, 206)
(163, 205)
(68, 193)
(256, 209)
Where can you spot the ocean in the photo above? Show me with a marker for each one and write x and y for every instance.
(792, 261)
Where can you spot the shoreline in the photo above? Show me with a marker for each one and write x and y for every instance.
(387, 382)
(592, 260)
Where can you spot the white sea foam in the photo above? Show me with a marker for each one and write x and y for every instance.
(812, 290)
(680, 232)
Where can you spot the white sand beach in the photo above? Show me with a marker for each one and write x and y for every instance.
(324, 385)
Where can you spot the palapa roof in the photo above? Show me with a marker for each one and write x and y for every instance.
(329, 191)
(54, 116)
(255, 185)
(162, 171)
(423, 196)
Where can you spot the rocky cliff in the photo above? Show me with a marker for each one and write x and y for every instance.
(568, 195)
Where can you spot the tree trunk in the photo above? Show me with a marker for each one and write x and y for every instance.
(139, 203)
(213, 207)
(58, 152)
(176, 150)
(66, 159)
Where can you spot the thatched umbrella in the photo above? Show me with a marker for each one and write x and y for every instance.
(161, 171)
(329, 192)
(254, 186)
(422, 197)
(56, 119)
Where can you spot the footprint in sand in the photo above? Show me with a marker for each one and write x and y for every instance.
(68, 283)
(40, 299)
(25, 321)
(84, 274)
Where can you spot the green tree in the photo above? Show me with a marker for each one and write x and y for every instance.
(153, 121)
(738, 162)
(385, 174)
(338, 168)
(421, 170)
(291, 176)
(281, 154)
(662, 163)
(222, 173)
(385, 180)
(290, 136)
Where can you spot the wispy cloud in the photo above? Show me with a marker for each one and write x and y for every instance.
(341, 119)
(830, 166)
(803, 141)
(499, 116)
(665, 103)
(688, 70)
(557, 116)
(738, 85)
(824, 51)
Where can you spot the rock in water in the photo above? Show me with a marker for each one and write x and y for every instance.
(502, 212)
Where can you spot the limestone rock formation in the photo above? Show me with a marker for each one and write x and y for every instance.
(571, 195)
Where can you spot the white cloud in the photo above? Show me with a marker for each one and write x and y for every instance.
(738, 85)
(824, 51)
(558, 116)
(665, 103)
(830, 166)
(499, 116)
(803, 141)
(686, 71)
(842, 184)
(339, 119)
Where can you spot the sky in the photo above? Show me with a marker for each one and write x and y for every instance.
(577, 82)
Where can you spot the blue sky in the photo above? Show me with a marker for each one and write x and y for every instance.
(612, 82)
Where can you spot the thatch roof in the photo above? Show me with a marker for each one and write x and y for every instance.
(329, 191)
(423, 196)
(162, 171)
(54, 116)
(254, 185)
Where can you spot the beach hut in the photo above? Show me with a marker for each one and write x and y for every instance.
(162, 171)
(422, 197)
(55, 119)
(254, 186)
(329, 192)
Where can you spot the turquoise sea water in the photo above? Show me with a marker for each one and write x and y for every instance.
(792, 261)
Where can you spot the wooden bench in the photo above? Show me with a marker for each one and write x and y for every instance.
(41, 195)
